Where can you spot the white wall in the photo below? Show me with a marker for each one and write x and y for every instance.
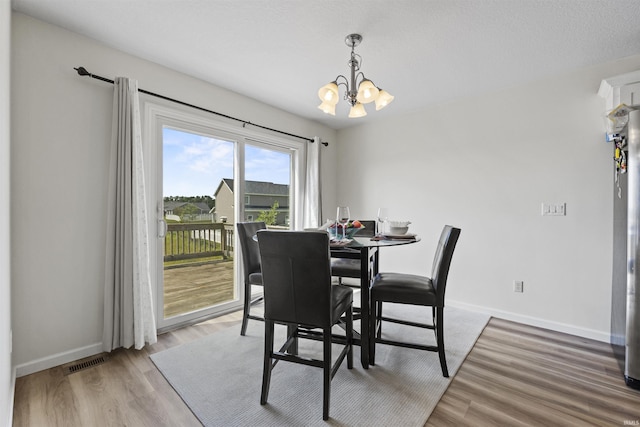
(6, 368)
(486, 164)
(61, 125)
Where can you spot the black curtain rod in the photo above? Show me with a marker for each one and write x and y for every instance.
(83, 72)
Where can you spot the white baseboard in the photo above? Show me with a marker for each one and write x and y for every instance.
(93, 349)
(534, 321)
(57, 359)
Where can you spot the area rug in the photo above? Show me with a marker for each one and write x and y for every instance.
(219, 377)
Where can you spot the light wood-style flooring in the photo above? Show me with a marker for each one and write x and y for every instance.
(515, 375)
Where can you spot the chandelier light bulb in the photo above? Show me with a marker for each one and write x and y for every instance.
(328, 108)
(367, 92)
(329, 93)
(357, 111)
(384, 98)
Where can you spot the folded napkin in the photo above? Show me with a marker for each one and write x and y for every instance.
(345, 242)
(394, 237)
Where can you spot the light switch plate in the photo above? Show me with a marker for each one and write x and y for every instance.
(554, 209)
(518, 286)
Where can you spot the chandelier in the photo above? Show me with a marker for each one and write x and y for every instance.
(357, 94)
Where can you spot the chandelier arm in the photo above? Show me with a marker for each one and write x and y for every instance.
(345, 82)
(360, 74)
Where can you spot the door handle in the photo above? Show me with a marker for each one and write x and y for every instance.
(162, 228)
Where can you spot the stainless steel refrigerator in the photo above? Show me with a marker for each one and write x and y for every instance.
(625, 303)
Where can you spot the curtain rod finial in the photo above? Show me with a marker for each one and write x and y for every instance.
(82, 71)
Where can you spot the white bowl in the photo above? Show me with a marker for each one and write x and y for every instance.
(399, 223)
(398, 230)
(398, 227)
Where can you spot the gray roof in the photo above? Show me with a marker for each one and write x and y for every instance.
(261, 187)
(173, 205)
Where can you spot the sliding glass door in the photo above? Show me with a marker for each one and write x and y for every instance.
(267, 191)
(198, 243)
(207, 177)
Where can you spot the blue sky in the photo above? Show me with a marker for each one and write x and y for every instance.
(193, 165)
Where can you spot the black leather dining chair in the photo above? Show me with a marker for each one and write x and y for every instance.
(252, 271)
(417, 290)
(298, 292)
(348, 267)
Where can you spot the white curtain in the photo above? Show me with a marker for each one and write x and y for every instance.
(128, 317)
(312, 200)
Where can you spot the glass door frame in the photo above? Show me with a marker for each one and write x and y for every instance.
(155, 117)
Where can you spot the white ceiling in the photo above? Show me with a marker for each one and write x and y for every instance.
(425, 52)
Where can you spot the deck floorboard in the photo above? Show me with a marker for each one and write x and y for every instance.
(196, 286)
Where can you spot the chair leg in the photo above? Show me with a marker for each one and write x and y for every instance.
(379, 325)
(292, 332)
(267, 365)
(247, 307)
(373, 324)
(350, 337)
(439, 319)
(327, 373)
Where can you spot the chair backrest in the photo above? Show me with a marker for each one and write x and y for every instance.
(369, 228)
(442, 260)
(249, 247)
(296, 272)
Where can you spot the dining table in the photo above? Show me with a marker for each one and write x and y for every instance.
(367, 250)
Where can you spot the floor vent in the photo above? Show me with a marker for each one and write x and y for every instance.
(85, 364)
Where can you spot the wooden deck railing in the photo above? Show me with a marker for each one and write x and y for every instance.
(190, 241)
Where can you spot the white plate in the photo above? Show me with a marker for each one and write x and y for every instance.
(399, 236)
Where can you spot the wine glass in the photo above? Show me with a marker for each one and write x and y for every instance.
(342, 217)
(383, 216)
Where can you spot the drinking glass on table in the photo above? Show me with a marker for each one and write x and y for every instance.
(383, 216)
(342, 217)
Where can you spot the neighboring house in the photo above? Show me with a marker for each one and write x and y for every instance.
(195, 210)
(259, 196)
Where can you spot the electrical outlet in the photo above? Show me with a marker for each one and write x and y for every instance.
(518, 286)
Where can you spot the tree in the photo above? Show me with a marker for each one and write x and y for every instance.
(269, 217)
(187, 212)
